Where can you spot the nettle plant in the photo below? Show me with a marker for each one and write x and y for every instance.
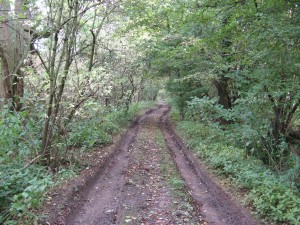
(21, 190)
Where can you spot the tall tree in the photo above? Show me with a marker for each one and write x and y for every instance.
(14, 47)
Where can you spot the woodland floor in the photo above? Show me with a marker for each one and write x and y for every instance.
(148, 177)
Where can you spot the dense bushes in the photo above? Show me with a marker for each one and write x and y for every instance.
(248, 127)
(274, 196)
(21, 190)
(97, 127)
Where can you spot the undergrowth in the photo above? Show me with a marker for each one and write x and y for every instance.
(21, 190)
(23, 186)
(274, 196)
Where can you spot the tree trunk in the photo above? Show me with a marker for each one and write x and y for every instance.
(13, 51)
(18, 90)
(222, 88)
(4, 31)
(4, 79)
(56, 94)
(282, 118)
(52, 80)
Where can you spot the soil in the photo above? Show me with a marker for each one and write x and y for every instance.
(139, 182)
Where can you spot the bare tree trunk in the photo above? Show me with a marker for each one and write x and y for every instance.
(14, 46)
(4, 78)
(52, 78)
(56, 94)
(4, 39)
(133, 89)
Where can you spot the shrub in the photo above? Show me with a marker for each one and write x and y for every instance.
(98, 127)
(21, 190)
(88, 133)
(273, 196)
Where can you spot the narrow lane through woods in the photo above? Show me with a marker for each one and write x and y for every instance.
(153, 178)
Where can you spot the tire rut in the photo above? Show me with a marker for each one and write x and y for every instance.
(103, 200)
(100, 199)
(215, 204)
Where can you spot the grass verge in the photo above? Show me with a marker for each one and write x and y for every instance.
(274, 198)
(171, 174)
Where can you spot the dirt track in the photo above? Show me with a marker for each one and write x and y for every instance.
(133, 187)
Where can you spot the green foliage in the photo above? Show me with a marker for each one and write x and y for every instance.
(21, 190)
(275, 197)
(244, 55)
(183, 90)
(151, 89)
(95, 127)
(278, 202)
(88, 133)
(64, 174)
(245, 129)
(207, 109)
(19, 134)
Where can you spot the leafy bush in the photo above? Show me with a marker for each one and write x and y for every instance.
(98, 127)
(245, 128)
(19, 134)
(182, 90)
(207, 109)
(21, 190)
(275, 197)
(88, 133)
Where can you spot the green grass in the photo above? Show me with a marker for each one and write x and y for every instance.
(170, 171)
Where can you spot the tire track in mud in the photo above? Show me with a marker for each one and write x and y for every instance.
(148, 196)
(100, 198)
(215, 204)
(104, 198)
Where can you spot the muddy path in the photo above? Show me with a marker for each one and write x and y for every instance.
(213, 202)
(152, 178)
